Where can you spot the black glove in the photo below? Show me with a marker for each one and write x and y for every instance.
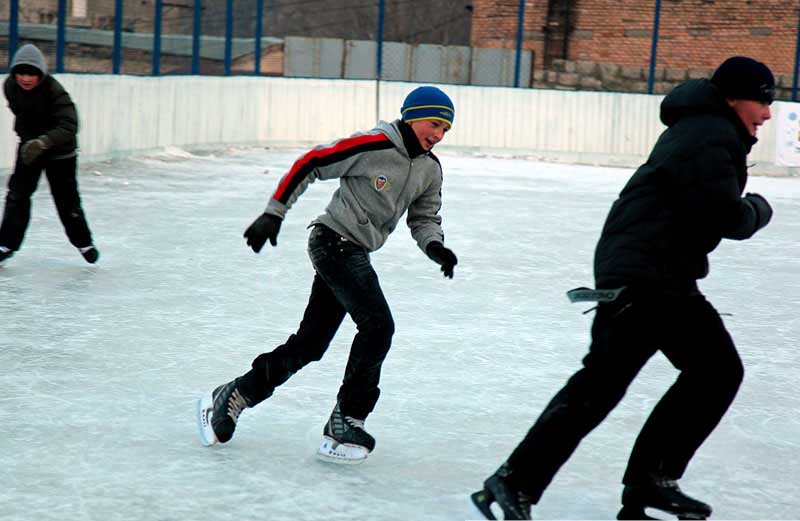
(32, 149)
(265, 227)
(762, 208)
(443, 257)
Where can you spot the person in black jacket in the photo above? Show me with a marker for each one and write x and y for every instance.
(672, 213)
(47, 123)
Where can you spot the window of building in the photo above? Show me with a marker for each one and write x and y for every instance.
(79, 8)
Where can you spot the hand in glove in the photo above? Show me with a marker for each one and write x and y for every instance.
(762, 208)
(32, 149)
(442, 256)
(265, 227)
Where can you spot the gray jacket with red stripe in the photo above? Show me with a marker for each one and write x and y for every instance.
(378, 182)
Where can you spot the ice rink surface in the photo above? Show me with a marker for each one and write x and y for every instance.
(101, 364)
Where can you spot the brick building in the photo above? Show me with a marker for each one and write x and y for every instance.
(694, 35)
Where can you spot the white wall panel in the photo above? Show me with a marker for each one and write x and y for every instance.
(120, 115)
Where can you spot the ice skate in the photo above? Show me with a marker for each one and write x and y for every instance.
(344, 440)
(661, 494)
(90, 253)
(218, 412)
(5, 253)
(514, 503)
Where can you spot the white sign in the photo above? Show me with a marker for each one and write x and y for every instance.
(787, 134)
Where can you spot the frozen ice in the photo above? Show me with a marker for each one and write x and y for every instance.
(101, 364)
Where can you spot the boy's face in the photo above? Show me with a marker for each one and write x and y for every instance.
(752, 113)
(27, 81)
(429, 131)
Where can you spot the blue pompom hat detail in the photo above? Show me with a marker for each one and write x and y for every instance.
(427, 103)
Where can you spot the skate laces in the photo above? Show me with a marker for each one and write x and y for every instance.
(236, 404)
(355, 422)
(666, 483)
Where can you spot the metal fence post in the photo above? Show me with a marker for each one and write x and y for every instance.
(228, 35)
(653, 48)
(116, 55)
(13, 30)
(796, 60)
(157, 39)
(379, 60)
(518, 58)
(61, 27)
(198, 10)
(259, 28)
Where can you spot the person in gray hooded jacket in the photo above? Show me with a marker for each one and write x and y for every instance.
(383, 174)
(47, 123)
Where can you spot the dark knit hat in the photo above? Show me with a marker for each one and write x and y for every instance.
(427, 103)
(740, 77)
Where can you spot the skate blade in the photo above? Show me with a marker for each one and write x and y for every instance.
(480, 504)
(341, 453)
(203, 413)
(629, 512)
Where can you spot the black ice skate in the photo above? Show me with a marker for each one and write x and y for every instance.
(662, 494)
(90, 253)
(514, 503)
(218, 412)
(5, 253)
(344, 439)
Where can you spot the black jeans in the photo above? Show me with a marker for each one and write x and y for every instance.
(62, 177)
(625, 334)
(344, 283)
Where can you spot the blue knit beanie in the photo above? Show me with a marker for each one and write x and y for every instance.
(427, 103)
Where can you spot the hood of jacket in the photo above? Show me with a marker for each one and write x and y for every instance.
(700, 96)
(392, 130)
(29, 54)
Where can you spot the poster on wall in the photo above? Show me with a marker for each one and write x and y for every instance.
(787, 134)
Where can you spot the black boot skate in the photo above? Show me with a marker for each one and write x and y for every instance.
(218, 412)
(90, 253)
(514, 503)
(662, 494)
(5, 253)
(344, 439)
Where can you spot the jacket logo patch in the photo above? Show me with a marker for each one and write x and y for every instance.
(381, 183)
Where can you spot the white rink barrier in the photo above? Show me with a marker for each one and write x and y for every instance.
(123, 115)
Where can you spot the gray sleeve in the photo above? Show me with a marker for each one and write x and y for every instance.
(423, 215)
(329, 161)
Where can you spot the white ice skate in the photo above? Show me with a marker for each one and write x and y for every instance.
(218, 411)
(344, 440)
(204, 412)
(343, 453)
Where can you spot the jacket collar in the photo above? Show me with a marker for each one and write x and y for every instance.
(410, 140)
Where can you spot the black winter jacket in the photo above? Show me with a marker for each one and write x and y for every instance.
(44, 110)
(677, 206)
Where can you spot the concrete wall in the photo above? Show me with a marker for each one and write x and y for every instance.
(357, 59)
(120, 115)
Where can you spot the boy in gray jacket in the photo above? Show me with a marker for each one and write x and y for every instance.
(47, 124)
(382, 174)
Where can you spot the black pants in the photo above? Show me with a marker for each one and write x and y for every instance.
(344, 283)
(62, 177)
(625, 334)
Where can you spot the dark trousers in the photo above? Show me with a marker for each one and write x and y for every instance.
(62, 177)
(625, 334)
(344, 283)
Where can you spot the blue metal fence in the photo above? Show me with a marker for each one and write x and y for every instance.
(198, 52)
